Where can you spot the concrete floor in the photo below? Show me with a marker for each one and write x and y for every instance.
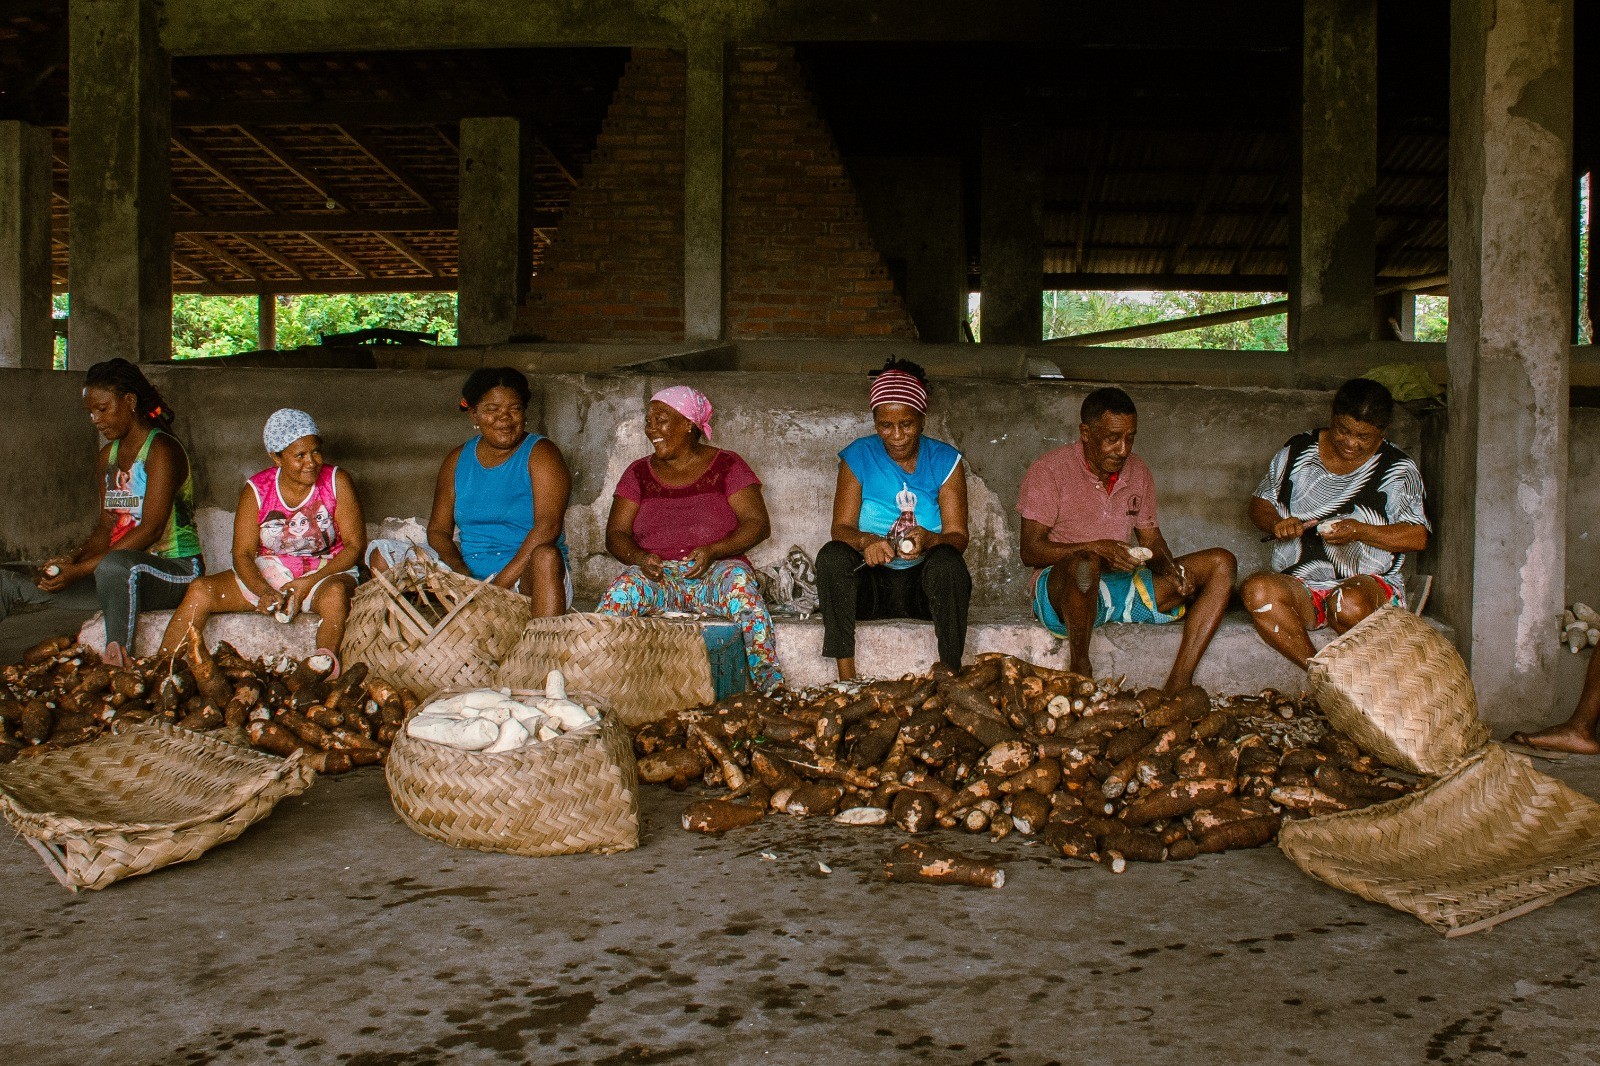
(331, 933)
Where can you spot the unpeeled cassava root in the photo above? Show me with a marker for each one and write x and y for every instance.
(1094, 771)
(60, 694)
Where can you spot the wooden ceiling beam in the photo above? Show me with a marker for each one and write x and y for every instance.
(417, 259)
(399, 222)
(222, 255)
(313, 286)
(194, 268)
(1091, 181)
(338, 254)
(277, 153)
(269, 255)
(1269, 210)
(220, 172)
(389, 166)
(1191, 230)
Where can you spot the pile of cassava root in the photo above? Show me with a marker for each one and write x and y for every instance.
(1094, 771)
(61, 694)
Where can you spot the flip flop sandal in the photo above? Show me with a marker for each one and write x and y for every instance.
(1519, 743)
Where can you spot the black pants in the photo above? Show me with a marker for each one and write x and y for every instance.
(937, 590)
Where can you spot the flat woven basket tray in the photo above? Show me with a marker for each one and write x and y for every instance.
(1493, 840)
(145, 797)
(574, 793)
(643, 668)
(1401, 691)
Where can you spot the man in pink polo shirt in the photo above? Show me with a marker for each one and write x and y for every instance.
(1080, 503)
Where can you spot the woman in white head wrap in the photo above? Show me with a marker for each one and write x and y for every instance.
(297, 536)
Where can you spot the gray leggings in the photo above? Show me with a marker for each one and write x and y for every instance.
(125, 583)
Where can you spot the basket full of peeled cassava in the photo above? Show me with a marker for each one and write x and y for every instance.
(521, 771)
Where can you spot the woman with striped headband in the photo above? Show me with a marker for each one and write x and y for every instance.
(899, 526)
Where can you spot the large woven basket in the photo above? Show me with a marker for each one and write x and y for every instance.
(644, 668)
(1399, 689)
(1493, 840)
(146, 797)
(574, 793)
(426, 628)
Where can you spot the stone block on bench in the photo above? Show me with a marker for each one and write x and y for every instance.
(253, 634)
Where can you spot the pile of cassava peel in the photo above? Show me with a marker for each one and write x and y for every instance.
(61, 694)
(1094, 771)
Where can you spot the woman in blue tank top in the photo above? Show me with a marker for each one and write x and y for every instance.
(500, 499)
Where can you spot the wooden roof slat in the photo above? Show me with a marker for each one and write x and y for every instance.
(422, 262)
(223, 255)
(396, 222)
(334, 252)
(389, 166)
(276, 152)
(192, 267)
(269, 255)
(219, 171)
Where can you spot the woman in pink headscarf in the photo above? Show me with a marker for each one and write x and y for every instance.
(681, 520)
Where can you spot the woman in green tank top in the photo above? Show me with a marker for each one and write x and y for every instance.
(144, 550)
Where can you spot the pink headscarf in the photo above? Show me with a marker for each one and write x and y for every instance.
(690, 403)
(897, 386)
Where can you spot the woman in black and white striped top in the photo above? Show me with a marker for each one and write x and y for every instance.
(1343, 507)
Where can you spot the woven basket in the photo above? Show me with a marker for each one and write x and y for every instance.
(461, 648)
(644, 668)
(1399, 689)
(150, 795)
(1493, 840)
(577, 792)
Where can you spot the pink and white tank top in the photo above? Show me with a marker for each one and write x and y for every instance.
(295, 540)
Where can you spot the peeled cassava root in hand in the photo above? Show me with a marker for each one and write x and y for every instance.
(1094, 771)
(60, 694)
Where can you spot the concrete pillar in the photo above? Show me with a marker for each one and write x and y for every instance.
(266, 323)
(27, 337)
(1502, 522)
(703, 135)
(495, 243)
(1333, 257)
(120, 122)
(1011, 221)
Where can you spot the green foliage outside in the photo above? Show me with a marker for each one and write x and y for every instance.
(226, 325)
(1069, 313)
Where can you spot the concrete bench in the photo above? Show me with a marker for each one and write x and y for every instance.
(1237, 661)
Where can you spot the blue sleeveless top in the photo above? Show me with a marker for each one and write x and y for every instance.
(494, 507)
(882, 479)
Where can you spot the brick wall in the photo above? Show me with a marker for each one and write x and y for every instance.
(614, 271)
(799, 261)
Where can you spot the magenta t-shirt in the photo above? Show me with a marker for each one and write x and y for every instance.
(674, 520)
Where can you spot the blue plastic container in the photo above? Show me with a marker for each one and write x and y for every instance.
(730, 672)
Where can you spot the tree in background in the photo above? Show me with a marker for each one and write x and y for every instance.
(1069, 313)
(226, 325)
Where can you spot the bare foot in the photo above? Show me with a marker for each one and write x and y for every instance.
(1564, 737)
(114, 655)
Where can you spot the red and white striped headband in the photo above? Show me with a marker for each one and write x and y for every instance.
(897, 386)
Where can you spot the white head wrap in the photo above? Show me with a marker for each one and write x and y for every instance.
(286, 426)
